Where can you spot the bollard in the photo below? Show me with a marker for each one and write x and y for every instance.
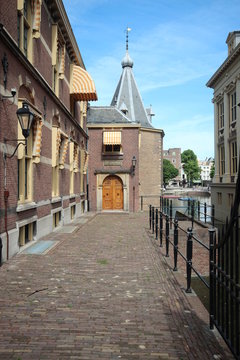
(150, 216)
(175, 249)
(153, 225)
(189, 259)
(167, 236)
(212, 294)
(1, 246)
(156, 226)
(161, 228)
(141, 203)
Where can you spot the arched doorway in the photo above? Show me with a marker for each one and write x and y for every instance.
(112, 193)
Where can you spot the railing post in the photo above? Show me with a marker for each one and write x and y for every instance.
(212, 234)
(198, 209)
(153, 225)
(161, 227)
(189, 259)
(170, 214)
(189, 206)
(156, 226)
(160, 203)
(150, 216)
(167, 236)
(213, 215)
(175, 249)
(141, 203)
(167, 212)
(1, 246)
(192, 211)
(205, 212)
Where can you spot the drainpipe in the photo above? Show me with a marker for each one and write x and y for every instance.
(6, 195)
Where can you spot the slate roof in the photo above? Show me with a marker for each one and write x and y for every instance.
(126, 106)
(106, 114)
(127, 92)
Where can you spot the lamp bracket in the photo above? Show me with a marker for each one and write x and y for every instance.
(21, 142)
(13, 93)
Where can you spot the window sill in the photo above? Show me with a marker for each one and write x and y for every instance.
(26, 206)
(55, 199)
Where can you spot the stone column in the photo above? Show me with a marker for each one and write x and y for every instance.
(216, 150)
(227, 175)
(238, 118)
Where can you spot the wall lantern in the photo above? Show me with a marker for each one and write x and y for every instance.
(134, 162)
(25, 118)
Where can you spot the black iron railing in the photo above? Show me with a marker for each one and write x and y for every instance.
(224, 260)
(193, 210)
(161, 224)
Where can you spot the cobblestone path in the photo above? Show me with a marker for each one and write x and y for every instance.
(103, 292)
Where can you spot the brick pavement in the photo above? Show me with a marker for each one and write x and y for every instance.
(103, 292)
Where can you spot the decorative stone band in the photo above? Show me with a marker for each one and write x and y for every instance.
(85, 166)
(63, 151)
(36, 11)
(37, 138)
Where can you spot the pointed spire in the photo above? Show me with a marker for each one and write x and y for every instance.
(127, 31)
(127, 61)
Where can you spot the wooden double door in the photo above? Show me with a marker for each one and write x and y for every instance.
(112, 193)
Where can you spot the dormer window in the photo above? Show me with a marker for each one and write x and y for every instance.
(123, 108)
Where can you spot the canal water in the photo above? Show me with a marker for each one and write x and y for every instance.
(180, 204)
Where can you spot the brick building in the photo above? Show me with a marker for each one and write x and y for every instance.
(174, 156)
(43, 185)
(125, 161)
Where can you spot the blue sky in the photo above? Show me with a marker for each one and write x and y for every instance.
(176, 46)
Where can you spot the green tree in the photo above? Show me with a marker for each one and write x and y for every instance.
(190, 165)
(212, 170)
(169, 171)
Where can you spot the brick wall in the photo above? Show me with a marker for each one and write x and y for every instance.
(96, 162)
(22, 77)
(150, 171)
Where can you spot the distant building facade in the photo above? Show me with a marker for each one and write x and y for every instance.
(205, 166)
(174, 156)
(43, 186)
(226, 85)
(125, 160)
